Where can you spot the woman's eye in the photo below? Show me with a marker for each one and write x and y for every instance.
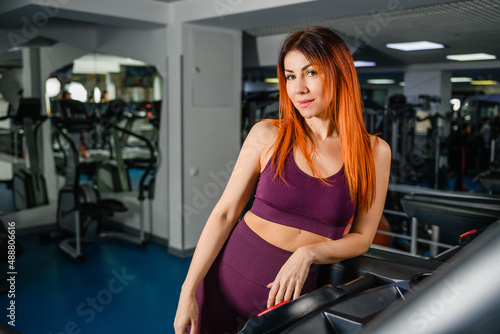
(290, 77)
(311, 73)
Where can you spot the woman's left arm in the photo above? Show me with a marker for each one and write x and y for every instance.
(290, 279)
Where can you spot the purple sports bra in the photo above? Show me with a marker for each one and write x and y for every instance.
(305, 202)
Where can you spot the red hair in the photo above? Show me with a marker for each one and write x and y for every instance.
(331, 58)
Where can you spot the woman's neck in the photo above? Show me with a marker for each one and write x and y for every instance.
(320, 129)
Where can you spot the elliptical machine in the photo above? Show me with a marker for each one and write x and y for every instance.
(29, 186)
(80, 208)
(112, 175)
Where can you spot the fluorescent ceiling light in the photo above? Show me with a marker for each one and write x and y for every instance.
(97, 94)
(461, 79)
(362, 63)
(102, 67)
(381, 81)
(96, 63)
(271, 80)
(483, 82)
(415, 46)
(471, 57)
(77, 91)
(456, 104)
(52, 87)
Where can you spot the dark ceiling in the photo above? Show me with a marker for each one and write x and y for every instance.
(464, 26)
(470, 26)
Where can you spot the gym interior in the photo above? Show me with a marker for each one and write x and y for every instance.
(120, 123)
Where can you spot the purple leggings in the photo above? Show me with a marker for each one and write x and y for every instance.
(234, 289)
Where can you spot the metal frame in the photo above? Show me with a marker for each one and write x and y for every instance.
(414, 239)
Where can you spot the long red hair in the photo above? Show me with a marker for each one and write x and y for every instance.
(331, 58)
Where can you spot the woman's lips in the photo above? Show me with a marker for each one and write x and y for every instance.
(305, 103)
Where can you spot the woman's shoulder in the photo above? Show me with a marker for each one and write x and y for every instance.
(261, 139)
(381, 150)
(263, 134)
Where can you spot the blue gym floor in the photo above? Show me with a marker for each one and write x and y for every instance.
(118, 289)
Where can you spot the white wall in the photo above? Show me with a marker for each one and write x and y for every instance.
(209, 120)
(10, 84)
(146, 45)
(173, 155)
(268, 48)
(431, 82)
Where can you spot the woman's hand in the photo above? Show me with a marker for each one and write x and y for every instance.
(289, 282)
(187, 315)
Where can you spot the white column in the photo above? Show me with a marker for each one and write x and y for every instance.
(428, 82)
(433, 83)
(204, 125)
(174, 132)
(31, 73)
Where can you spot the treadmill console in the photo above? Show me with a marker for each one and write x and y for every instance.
(28, 108)
(73, 115)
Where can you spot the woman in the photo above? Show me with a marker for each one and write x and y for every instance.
(316, 169)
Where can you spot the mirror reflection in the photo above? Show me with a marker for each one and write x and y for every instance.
(110, 108)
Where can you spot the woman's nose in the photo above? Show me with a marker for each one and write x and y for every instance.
(300, 86)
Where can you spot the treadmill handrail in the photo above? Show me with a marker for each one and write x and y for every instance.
(152, 159)
(452, 210)
(478, 203)
(406, 189)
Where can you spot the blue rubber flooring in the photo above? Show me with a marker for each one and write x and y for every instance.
(6, 199)
(119, 288)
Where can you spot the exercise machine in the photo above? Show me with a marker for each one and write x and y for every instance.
(112, 175)
(491, 182)
(452, 212)
(28, 184)
(380, 283)
(473, 307)
(459, 298)
(34, 211)
(81, 209)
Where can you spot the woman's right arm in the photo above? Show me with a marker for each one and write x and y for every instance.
(222, 220)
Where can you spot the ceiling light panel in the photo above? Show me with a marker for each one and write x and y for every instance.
(483, 82)
(461, 79)
(380, 81)
(471, 57)
(362, 63)
(415, 46)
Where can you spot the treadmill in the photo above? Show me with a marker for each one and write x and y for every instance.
(462, 298)
(393, 277)
(491, 181)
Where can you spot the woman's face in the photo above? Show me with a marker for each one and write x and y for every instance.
(304, 86)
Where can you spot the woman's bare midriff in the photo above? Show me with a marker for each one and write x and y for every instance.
(285, 237)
